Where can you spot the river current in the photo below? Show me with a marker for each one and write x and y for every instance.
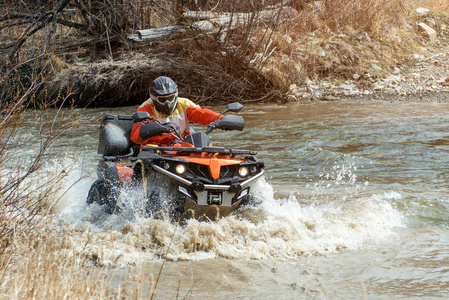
(355, 206)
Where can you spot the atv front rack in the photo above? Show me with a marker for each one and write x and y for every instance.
(220, 150)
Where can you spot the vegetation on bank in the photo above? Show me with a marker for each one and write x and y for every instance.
(83, 47)
(39, 258)
(78, 52)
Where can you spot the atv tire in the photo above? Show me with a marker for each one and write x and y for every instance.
(158, 209)
(103, 194)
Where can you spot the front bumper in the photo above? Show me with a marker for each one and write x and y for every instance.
(200, 187)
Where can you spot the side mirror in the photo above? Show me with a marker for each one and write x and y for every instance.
(142, 116)
(234, 107)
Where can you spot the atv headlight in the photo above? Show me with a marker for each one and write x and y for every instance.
(243, 171)
(180, 169)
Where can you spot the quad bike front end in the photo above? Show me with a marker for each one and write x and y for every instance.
(211, 181)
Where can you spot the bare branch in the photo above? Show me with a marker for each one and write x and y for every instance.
(38, 22)
(16, 16)
(72, 24)
(14, 24)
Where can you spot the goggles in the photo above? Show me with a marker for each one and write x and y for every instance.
(165, 98)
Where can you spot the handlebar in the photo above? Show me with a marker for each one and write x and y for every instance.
(211, 126)
(174, 129)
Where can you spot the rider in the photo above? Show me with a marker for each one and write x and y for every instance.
(164, 105)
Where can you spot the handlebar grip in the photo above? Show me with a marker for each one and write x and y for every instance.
(152, 129)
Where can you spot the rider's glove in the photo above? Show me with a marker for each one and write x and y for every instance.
(152, 129)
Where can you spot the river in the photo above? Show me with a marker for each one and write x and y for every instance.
(355, 206)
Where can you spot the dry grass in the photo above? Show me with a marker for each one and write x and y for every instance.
(34, 263)
(257, 61)
(334, 40)
(37, 266)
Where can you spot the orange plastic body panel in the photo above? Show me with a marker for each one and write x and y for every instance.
(184, 144)
(124, 173)
(213, 160)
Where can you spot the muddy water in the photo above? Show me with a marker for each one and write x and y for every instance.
(355, 206)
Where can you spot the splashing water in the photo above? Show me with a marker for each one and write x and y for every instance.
(282, 228)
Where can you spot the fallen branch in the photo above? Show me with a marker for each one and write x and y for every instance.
(215, 21)
(154, 33)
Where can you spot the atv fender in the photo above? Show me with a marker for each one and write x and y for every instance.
(114, 173)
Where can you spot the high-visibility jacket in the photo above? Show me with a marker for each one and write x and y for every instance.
(186, 111)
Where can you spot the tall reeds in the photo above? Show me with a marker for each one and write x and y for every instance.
(32, 259)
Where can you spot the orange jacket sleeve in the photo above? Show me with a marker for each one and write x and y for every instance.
(147, 106)
(135, 133)
(201, 116)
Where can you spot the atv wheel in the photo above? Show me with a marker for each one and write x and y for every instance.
(161, 203)
(105, 194)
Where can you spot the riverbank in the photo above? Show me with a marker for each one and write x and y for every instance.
(420, 75)
(407, 65)
(286, 51)
(424, 79)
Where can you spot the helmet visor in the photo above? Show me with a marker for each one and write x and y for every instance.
(165, 98)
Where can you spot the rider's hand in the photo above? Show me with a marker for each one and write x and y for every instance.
(167, 128)
(152, 129)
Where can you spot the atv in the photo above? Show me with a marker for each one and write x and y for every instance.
(192, 180)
